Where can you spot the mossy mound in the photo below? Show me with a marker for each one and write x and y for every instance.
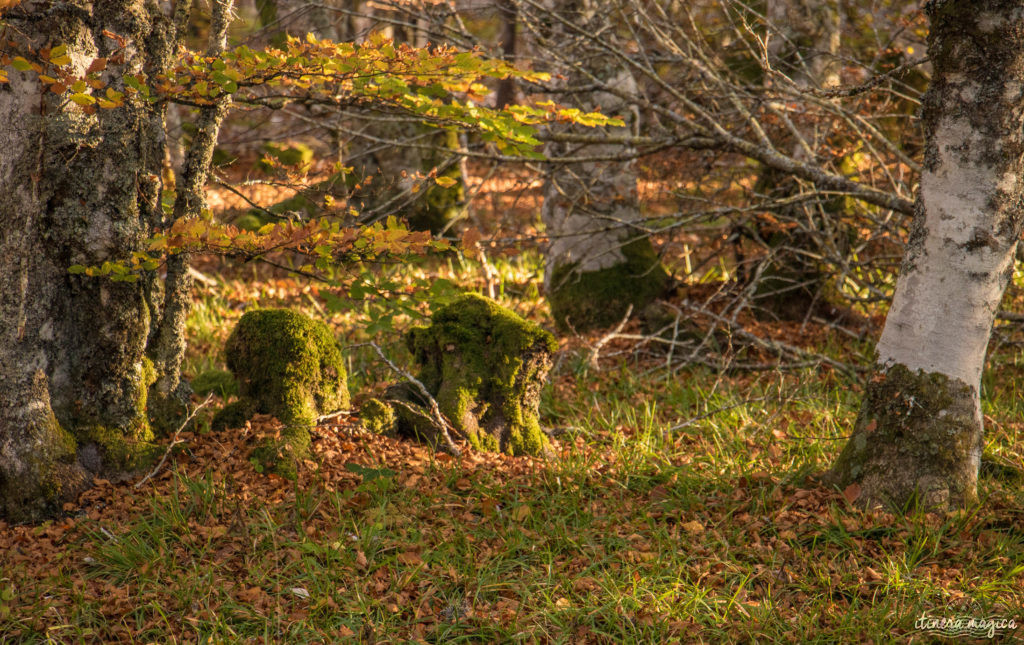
(289, 366)
(486, 367)
(233, 415)
(598, 299)
(297, 155)
(377, 416)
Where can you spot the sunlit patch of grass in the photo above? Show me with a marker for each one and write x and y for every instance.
(209, 322)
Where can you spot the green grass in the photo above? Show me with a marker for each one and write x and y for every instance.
(636, 533)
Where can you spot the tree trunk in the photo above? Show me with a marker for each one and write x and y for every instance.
(78, 188)
(600, 260)
(297, 18)
(508, 14)
(398, 149)
(918, 438)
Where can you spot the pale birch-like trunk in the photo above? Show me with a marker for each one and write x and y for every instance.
(918, 438)
(599, 260)
(73, 372)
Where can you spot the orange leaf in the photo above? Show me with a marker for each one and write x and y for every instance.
(852, 492)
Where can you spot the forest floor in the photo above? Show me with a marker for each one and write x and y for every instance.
(681, 505)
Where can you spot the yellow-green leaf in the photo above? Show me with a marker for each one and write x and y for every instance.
(82, 99)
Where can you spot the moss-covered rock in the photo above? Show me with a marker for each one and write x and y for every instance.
(486, 367)
(219, 382)
(597, 299)
(289, 366)
(377, 416)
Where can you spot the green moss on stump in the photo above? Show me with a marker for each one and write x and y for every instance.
(289, 366)
(378, 417)
(917, 441)
(486, 367)
(598, 299)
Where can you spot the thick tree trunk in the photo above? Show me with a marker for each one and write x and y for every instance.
(80, 188)
(918, 438)
(600, 260)
(73, 373)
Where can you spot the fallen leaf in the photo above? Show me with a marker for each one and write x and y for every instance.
(852, 492)
(693, 527)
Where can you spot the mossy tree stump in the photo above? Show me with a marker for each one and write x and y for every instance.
(485, 366)
(289, 366)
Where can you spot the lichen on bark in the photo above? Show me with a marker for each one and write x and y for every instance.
(916, 442)
(75, 188)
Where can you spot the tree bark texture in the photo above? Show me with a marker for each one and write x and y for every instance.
(600, 260)
(919, 434)
(76, 188)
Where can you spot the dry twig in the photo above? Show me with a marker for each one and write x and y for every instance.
(175, 441)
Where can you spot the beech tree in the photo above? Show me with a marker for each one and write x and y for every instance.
(918, 438)
(82, 186)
